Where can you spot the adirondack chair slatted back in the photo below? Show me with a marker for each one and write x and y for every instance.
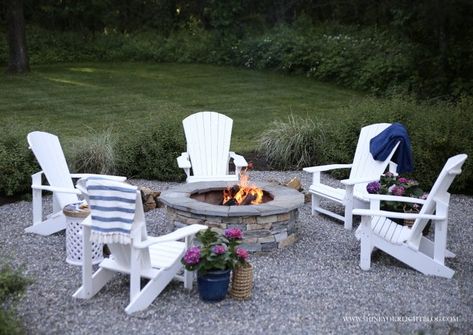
(439, 192)
(208, 136)
(364, 165)
(122, 252)
(49, 154)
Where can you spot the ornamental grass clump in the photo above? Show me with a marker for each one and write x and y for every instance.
(215, 251)
(398, 186)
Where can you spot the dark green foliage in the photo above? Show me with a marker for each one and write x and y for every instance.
(438, 130)
(12, 286)
(17, 163)
(150, 150)
(369, 59)
(423, 46)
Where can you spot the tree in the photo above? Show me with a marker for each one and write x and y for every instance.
(16, 37)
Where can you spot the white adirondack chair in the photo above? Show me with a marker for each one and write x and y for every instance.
(49, 154)
(408, 244)
(208, 136)
(364, 169)
(155, 258)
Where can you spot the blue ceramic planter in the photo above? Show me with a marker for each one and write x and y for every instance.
(213, 286)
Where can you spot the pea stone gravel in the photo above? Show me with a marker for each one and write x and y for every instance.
(312, 287)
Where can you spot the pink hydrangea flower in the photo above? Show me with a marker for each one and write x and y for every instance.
(398, 190)
(403, 180)
(233, 233)
(242, 253)
(218, 249)
(373, 187)
(192, 256)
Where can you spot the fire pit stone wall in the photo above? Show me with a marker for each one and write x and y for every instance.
(266, 226)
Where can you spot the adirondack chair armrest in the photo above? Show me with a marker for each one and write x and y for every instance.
(183, 161)
(238, 160)
(322, 168)
(104, 176)
(385, 197)
(174, 236)
(355, 181)
(56, 189)
(397, 215)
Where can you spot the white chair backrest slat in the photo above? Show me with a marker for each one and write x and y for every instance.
(364, 165)
(439, 191)
(122, 252)
(208, 136)
(48, 152)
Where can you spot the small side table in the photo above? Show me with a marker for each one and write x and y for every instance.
(75, 214)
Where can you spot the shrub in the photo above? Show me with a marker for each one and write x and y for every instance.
(17, 163)
(12, 285)
(438, 130)
(94, 153)
(150, 151)
(296, 143)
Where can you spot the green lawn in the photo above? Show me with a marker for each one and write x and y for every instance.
(70, 99)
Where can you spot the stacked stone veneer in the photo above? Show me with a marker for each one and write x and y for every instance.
(266, 227)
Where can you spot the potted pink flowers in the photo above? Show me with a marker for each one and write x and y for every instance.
(213, 259)
(399, 186)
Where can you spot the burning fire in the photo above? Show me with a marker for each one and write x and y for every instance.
(243, 193)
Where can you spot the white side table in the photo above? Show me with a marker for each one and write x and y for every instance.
(75, 214)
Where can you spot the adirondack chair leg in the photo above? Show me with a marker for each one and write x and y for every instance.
(427, 247)
(366, 245)
(152, 289)
(87, 260)
(188, 275)
(415, 259)
(99, 279)
(440, 243)
(37, 199)
(91, 284)
(348, 223)
(135, 273)
(54, 222)
(315, 204)
(188, 279)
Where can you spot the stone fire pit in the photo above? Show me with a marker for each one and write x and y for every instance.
(267, 226)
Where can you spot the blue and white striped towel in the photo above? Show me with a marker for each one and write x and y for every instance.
(112, 205)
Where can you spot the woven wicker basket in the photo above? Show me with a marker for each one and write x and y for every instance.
(242, 282)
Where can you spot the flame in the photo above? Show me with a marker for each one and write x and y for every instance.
(244, 193)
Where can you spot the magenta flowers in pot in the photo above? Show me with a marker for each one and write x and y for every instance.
(213, 259)
(216, 252)
(399, 186)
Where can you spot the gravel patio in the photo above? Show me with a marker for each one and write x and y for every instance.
(312, 287)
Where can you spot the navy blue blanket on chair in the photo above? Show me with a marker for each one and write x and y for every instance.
(382, 145)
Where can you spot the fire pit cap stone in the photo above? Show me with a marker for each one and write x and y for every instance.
(179, 197)
(290, 202)
(204, 186)
(173, 197)
(243, 210)
(210, 210)
(268, 209)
